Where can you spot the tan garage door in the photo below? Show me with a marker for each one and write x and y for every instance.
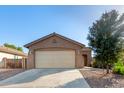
(55, 59)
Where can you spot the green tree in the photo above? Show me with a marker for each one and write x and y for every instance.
(19, 49)
(106, 37)
(13, 47)
(10, 46)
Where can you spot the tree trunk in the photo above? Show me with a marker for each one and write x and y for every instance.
(107, 69)
(103, 68)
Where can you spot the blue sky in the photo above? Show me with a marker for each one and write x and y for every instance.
(20, 25)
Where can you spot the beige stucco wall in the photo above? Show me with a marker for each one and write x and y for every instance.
(60, 44)
(8, 56)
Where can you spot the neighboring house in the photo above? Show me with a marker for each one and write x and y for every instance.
(9, 54)
(57, 51)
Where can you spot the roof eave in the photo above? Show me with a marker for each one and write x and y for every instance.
(35, 41)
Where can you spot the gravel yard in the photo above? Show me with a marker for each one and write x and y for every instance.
(97, 78)
(6, 73)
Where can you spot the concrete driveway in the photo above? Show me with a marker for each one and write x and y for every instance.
(47, 78)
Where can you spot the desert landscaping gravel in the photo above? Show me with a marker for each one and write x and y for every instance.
(97, 78)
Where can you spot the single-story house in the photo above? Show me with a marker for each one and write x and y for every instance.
(8, 54)
(57, 51)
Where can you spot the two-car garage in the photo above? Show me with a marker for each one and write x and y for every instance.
(57, 51)
(55, 59)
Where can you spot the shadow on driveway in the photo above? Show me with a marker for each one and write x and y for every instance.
(78, 83)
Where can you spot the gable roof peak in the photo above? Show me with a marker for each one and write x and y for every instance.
(52, 34)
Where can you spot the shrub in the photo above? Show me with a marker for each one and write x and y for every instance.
(96, 64)
(119, 63)
(122, 70)
(116, 69)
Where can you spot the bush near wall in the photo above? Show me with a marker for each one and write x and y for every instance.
(97, 64)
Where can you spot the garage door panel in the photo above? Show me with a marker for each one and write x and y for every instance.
(55, 59)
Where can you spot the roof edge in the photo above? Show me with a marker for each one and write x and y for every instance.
(12, 51)
(52, 34)
(37, 40)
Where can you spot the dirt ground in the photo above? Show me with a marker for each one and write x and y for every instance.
(97, 78)
(6, 73)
